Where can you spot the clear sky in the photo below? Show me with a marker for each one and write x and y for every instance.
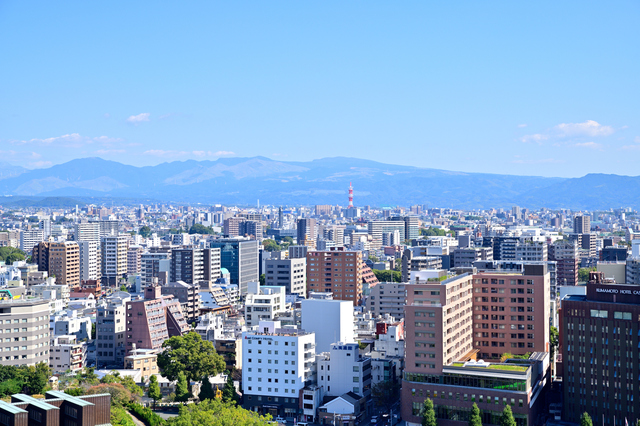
(530, 88)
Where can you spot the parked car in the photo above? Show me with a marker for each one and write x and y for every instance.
(374, 420)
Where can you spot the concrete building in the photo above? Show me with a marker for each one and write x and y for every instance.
(263, 303)
(110, 331)
(113, 250)
(187, 294)
(134, 260)
(194, 265)
(30, 238)
(144, 360)
(411, 227)
(153, 320)
(307, 232)
(61, 260)
(582, 224)
(532, 251)
(240, 257)
(343, 369)
(378, 227)
(337, 271)
(600, 346)
(565, 253)
(231, 226)
(297, 252)
(465, 257)
(87, 231)
(330, 320)
(411, 261)
(90, 260)
(386, 299)
(72, 324)
(67, 353)
(277, 364)
(154, 266)
(109, 228)
(288, 273)
(26, 332)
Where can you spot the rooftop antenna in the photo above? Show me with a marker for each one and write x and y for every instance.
(350, 196)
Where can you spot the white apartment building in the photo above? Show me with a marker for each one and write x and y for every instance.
(330, 320)
(263, 303)
(289, 273)
(532, 251)
(67, 353)
(114, 257)
(277, 363)
(343, 370)
(90, 262)
(51, 290)
(210, 327)
(87, 231)
(30, 239)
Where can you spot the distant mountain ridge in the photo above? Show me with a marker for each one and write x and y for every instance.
(325, 181)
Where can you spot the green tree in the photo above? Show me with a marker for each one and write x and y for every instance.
(287, 240)
(387, 276)
(198, 228)
(217, 413)
(154, 390)
(475, 419)
(88, 376)
(428, 413)
(11, 254)
(93, 330)
(506, 418)
(182, 387)
(145, 231)
(38, 378)
(206, 390)
(189, 354)
(433, 232)
(585, 419)
(271, 245)
(553, 340)
(74, 391)
(385, 394)
(583, 273)
(262, 279)
(229, 393)
(373, 258)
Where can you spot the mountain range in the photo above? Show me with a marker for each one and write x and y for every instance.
(244, 181)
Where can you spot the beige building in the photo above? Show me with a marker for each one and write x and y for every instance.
(61, 259)
(145, 360)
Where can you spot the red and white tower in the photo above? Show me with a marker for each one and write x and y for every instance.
(350, 196)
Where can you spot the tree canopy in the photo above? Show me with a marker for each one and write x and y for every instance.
(154, 389)
(198, 228)
(474, 418)
(387, 276)
(189, 354)
(182, 387)
(217, 413)
(385, 394)
(33, 379)
(553, 340)
(11, 254)
(585, 419)
(583, 273)
(145, 231)
(433, 232)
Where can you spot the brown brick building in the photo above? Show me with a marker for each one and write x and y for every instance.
(338, 271)
(61, 260)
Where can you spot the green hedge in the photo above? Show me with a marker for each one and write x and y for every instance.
(146, 415)
(120, 417)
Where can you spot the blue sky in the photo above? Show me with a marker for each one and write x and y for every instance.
(528, 88)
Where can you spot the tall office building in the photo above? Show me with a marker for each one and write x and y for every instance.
(113, 250)
(26, 342)
(337, 271)
(240, 257)
(134, 258)
(582, 224)
(90, 262)
(61, 260)
(307, 232)
(600, 339)
(110, 331)
(152, 265)
(411, 226)
(231, 226)
(565, 253)
(109, 228)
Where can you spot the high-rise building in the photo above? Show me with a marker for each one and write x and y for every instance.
(582, 224)
(288, 273)
(113, 249)
(109, 228)
(87, 231)
(231, 226)
(378, 227)
(600, 344)
(30, 238)
(152, 265)
(565, 253)
(447, 331)
(337, 271)
(532, 251)
(134, 260)
(90, 263)
(411, 226)
(61, 260)
(263, 303)
(240, 257)
(188, 295)
(193, 265)
(24, 342)
(307, 232)
(330, 320)
(323, 210)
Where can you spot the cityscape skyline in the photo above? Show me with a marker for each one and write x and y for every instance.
(543, 89)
